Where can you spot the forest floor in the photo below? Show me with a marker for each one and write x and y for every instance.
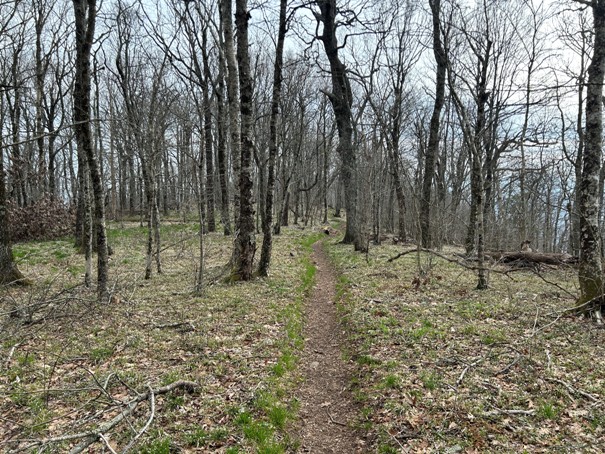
(380, 356)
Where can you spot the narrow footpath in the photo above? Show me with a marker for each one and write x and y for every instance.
(328, 411)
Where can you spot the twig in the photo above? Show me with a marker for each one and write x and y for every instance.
(175, 325)
(573, 390)
(397, 441)
(102, 437)
(578, 309)
(466, 369)
(334, 421)
(554, 284)
(507, 368)
(11, 352)
(542, 328)
(497, 411)
(92, 436)
(536, 318)
(147, 424)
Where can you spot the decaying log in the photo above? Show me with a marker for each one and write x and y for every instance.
(533, 257)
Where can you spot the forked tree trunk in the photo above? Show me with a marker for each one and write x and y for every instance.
(341, 98)
(85, 15)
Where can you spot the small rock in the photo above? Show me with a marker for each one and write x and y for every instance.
(315, 364)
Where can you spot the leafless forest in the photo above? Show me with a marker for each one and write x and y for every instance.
(467, 131)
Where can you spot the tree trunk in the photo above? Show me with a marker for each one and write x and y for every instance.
(433, 145)
(226, 12)
(9, 273)
(221, 158)
(591, 273)
(208, 138)
(85, 15)
(265, 258)
(341, 99)
(245, 242)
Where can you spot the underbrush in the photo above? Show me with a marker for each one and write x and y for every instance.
(70, 365)
(443, 367)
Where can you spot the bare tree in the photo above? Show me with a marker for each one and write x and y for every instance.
(85, 16)
(341, 98)
(433, 143)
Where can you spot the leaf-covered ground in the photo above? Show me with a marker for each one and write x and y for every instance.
(443, 367)
(68, 365)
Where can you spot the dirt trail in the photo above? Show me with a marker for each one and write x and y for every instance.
(327, 407)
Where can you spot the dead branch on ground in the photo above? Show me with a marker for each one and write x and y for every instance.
(98, 434)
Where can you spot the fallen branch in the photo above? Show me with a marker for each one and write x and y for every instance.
(466, 369)
(534, 258)
(582, 308)
(499, 411)
(189, 326)
(573, 390)
(92, 436)
(450, 260)
(147, 424)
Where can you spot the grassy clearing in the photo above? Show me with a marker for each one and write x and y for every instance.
(239, 342)
(446, 368)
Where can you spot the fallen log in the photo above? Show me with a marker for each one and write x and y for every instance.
(519, 257)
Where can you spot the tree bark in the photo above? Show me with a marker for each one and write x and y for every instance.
(433, 145)
(226, 13)
(265, 258)
(9, 273)
(220, 152)
(85, 15)
(208, 138)
(342, 99)
(591, 273)
(245, 242)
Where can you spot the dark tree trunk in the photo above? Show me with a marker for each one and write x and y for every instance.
(341, 98)
(85, 15)
(9, 273)
(433, 145)
(245, 242)
(265, 258)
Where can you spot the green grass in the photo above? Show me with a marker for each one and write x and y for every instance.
(100, 354)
